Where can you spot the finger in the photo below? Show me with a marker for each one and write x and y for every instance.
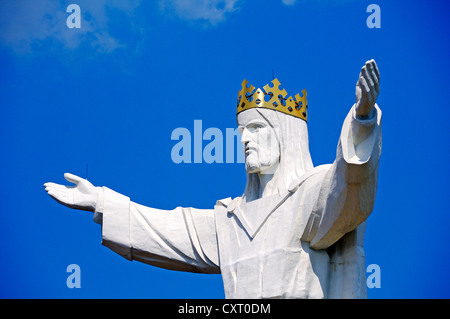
(374, 76)
(371, 72)
(371, 69)
(50, 184)
(57, 192)
(61, 191)
(49, 189)
(58, 188)
(363, 84)
(369, 81)
(365, 73)
(52, 194)
(377, 72)
(72, 178)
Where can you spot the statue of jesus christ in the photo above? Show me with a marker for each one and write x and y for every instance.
(297, 231)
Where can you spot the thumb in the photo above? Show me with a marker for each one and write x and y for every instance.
(72, 178)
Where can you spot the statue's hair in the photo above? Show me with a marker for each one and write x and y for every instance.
(295, 159)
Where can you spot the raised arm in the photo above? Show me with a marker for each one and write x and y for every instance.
(348, 191)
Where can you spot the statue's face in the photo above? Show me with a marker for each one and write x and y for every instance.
(261, 146)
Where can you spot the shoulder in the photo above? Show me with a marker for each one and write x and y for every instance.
(319, 170)
(224, 202)
(317, 174)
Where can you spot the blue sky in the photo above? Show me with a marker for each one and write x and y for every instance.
(110, 94)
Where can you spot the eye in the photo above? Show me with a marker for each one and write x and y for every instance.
(256, 127)
(253, 128)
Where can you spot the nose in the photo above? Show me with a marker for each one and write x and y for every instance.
(245, 136)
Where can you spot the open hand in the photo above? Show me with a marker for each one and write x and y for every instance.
(81, 196)
(367, 89)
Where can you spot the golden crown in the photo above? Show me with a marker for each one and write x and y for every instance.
(272, 98)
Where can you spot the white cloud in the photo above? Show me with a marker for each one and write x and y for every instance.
(25, 24)
(289, 2)
(320, 3)
(212, 11)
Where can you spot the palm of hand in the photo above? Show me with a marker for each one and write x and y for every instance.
(81, 196)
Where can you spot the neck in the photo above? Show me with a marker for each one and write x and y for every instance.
(266, 184)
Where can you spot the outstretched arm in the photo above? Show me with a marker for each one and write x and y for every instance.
(181, 239)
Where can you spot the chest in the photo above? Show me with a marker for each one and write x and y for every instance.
(275, 229)
(269, 260)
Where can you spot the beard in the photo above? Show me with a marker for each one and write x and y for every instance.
(256, 164)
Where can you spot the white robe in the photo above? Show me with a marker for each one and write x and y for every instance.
(304, 243)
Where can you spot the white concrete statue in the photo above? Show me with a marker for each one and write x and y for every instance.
(296, 232)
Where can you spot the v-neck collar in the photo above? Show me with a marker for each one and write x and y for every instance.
(254, 214)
